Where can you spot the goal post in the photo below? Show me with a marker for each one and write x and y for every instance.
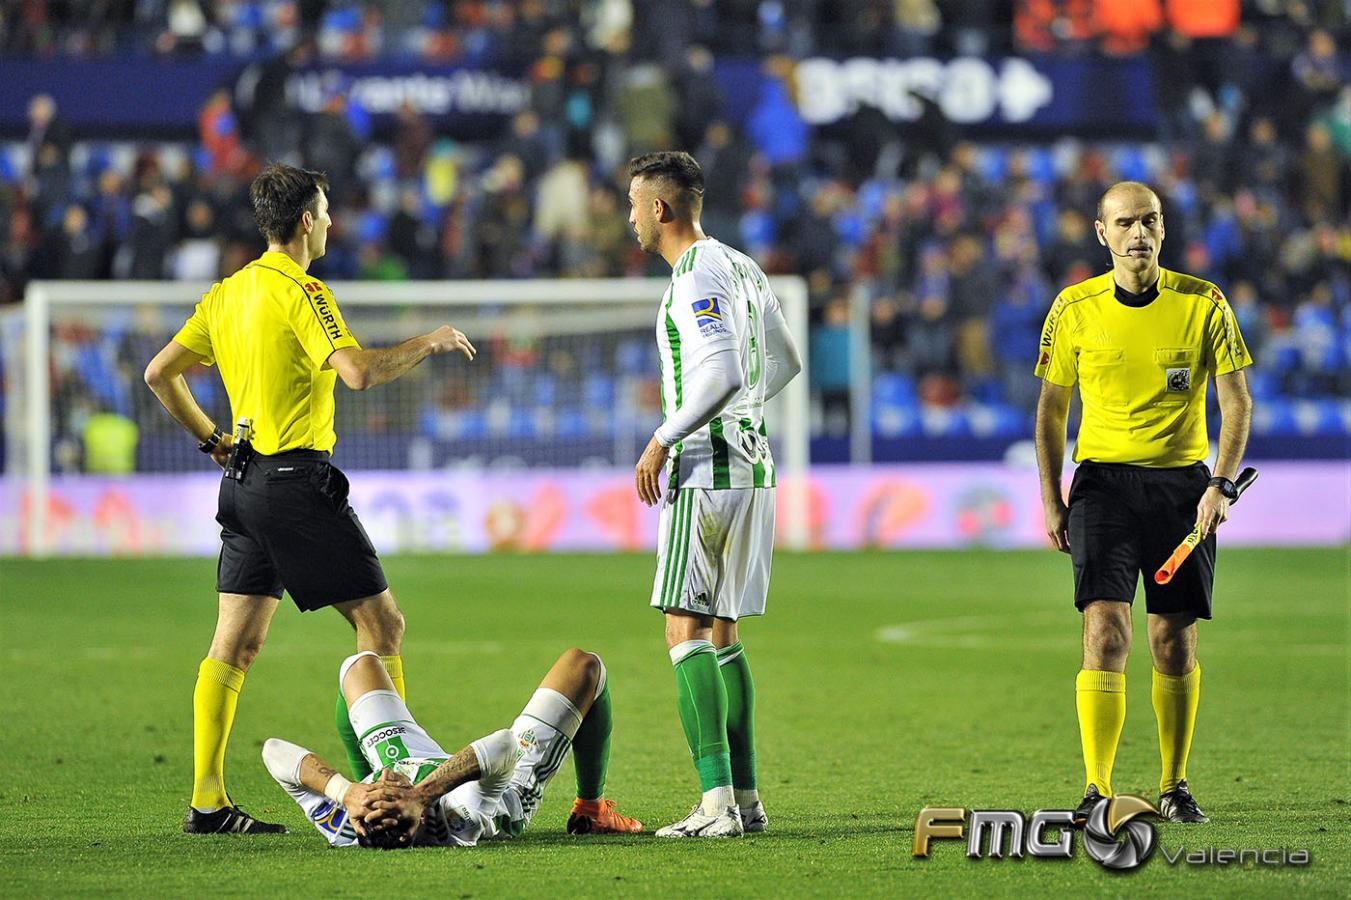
(566, 379)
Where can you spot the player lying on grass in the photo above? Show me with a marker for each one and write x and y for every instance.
(420, 794)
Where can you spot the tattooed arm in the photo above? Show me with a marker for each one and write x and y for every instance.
(452, 773)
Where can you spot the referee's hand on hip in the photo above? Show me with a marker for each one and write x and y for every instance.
(221, 453)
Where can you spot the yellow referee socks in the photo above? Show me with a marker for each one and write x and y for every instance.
(1175, 699)
(394, 666)
(1101, 700)
(213, 713)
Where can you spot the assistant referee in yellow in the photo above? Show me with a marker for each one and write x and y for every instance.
(1142, 343)
(280, 343)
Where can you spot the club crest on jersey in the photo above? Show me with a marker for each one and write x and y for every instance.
(1179, 381)
(708, 316)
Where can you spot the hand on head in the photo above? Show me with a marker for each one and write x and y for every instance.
(392, 813)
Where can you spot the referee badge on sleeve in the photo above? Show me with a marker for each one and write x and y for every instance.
(1179, 381)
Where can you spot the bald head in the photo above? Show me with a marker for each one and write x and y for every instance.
(1130, 226)
(1130, 192)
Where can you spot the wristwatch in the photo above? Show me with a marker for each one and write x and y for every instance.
(211, 443)
(1225, 486)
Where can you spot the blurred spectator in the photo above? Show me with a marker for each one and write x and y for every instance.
(46, 130)
(1015, 328)
(77, 252)
(774, 126)
(219, 135)
(197, 257)
(412, 141)
(412, 238)
(698, 99)
(646, 108)
(273, 124)
(527, 145)
(1213, 159)
(561, 214)
(1322, 175)
(1317, 70)
(917, 22)
(330, 146)
(973, 291)
(1074, 245)
(152, 230)
(503, 224)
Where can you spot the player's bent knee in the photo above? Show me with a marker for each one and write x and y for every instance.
(355, 660)
(497, 754)
(582, 660)
(590, 667)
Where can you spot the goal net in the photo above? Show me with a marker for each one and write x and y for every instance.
(530, 446)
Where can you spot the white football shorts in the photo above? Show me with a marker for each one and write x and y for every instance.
(714, 551)
(388, 732)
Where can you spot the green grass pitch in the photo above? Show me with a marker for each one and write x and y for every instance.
(886, 682)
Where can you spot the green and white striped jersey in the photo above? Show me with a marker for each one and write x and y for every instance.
(718, 299)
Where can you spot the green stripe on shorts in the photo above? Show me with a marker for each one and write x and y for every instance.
(678, 547)
(670, 547)
(722, 464)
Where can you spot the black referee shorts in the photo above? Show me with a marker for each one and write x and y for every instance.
(288, 525)
(1126, 520)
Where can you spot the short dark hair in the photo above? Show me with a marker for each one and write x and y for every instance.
(280, 195)
(680, 171)
(381, 839)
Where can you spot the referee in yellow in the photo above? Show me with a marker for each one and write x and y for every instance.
(280, 343)
(1142, 343)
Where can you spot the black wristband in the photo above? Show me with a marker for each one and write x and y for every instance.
(211, 443)
(1227, 487)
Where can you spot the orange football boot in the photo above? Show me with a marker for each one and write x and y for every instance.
(600, 817)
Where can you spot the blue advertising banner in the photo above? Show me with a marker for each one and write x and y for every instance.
(165, 96)
(1041, 95)
(1033, 95)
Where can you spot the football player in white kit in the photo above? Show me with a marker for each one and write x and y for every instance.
(419, 794)
(725, 351)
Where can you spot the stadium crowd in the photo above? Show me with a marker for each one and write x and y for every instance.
(956, 245)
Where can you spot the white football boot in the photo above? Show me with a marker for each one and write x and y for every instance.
(753, 818)
(726, 824)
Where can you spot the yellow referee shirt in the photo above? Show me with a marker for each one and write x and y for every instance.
(1142, 369)
(271, 328)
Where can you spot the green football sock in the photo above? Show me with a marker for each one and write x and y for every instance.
(702, 700)
(591, 748)
(736, 675)
(351, 745)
